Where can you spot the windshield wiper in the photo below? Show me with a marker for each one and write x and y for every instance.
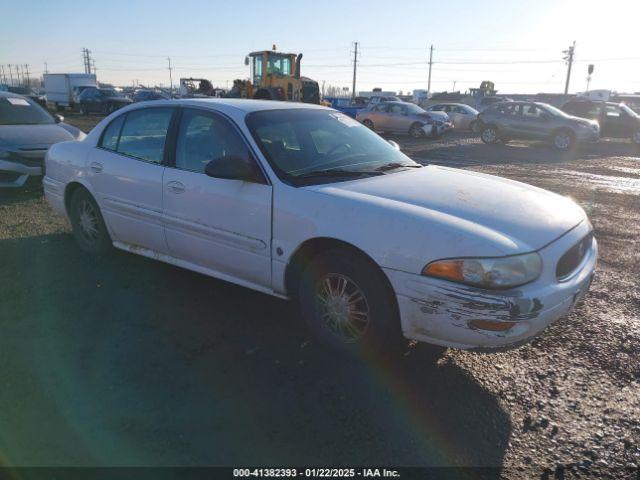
(393, 165)
(338, 172)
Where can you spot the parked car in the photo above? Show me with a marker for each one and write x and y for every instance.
(346, 105)
(535, 121)
(101, 100)
(28, 92)
(616, 120)
(146, 95)
(301, 201)
(461, 115)
(405, 118)
(26, 132)
(486, 102)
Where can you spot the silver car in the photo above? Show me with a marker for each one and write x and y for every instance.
(535, 121)
(461, 115)
(404, 117)
(26, 132)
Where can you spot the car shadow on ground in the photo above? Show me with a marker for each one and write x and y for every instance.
(129, 361)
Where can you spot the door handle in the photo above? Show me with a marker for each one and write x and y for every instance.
(175, 187)
(96, 167)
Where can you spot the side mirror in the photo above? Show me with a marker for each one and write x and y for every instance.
(246, 61)
(58, 118)
(394, 144)
(233, 167)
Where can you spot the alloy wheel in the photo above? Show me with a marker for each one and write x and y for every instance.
(562, 141)
(489, 135)
(342, 306)
(88, 221)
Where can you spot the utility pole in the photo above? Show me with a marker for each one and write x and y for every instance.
(430, 64)
(10, 74)
(569, 59)
(355, 64)
(26, 67)
(17, 74)
(4, 77)
(170, 77)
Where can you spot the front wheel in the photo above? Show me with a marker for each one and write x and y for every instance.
(416, 131)
(348, 304)
(563, 140)
(489, 135)
(88, 225)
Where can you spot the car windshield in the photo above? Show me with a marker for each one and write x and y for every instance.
(553, 110)
(22, 111)
(628, 111)
(322, 144)
(107, 92)
(413, 109)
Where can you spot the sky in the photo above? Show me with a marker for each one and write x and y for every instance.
(517, 44)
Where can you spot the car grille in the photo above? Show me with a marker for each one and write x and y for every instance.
(573, 257)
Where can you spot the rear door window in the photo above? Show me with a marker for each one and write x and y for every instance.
(144, 133)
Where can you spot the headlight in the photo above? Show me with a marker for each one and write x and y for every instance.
(498, 272)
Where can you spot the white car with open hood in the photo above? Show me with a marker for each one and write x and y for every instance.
(301, 201)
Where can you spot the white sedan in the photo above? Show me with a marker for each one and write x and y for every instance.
(301, 201)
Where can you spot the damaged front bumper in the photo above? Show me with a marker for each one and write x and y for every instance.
(440, 312)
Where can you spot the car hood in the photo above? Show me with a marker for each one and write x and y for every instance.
(33, 136)
(519, 217)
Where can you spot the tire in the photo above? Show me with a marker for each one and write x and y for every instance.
(368, 123)
(363, 316)
(416, 131)
(564, 140)
(489, 135)
(88, 225)
(474, 126)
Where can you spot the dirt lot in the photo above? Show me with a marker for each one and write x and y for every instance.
(127, 361)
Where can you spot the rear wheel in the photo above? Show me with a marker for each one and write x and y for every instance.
(489, 135)
(416, 131)
(348, 304)
(368, 123)
(563, 140)
(87, 224)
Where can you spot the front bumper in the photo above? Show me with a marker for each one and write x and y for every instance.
(437, 311)
(14, 174)
(433, 130)
(588, 135)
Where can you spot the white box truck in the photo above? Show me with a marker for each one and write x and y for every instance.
(62, 89)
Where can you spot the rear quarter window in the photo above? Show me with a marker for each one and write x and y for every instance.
(111, 134)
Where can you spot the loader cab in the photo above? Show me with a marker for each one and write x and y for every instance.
(268, 64)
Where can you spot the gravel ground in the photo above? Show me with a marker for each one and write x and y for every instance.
(127, 361)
